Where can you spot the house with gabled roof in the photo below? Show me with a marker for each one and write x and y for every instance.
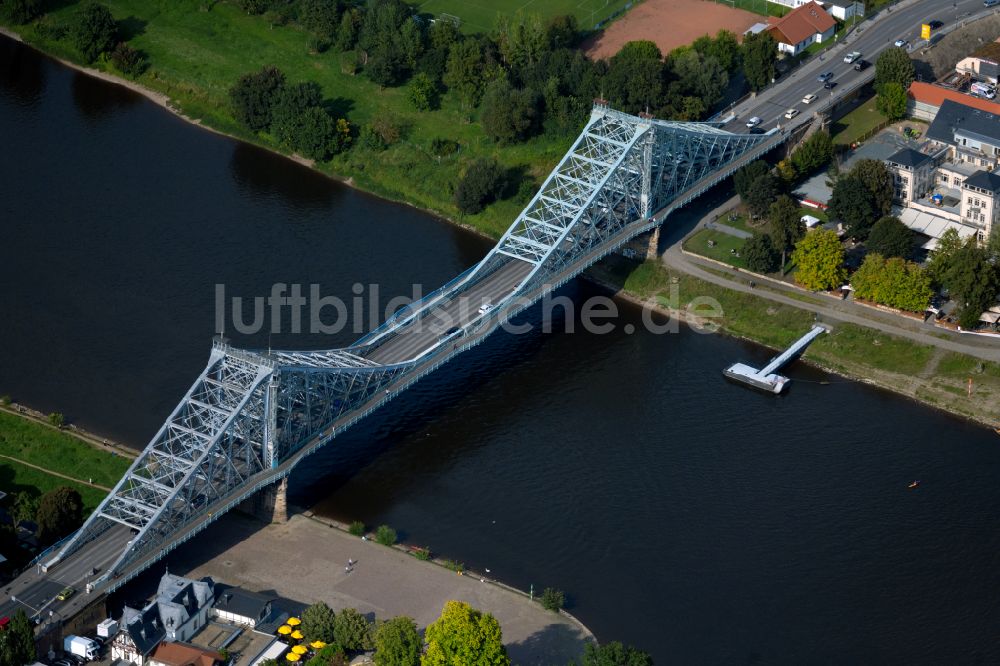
(803, 26)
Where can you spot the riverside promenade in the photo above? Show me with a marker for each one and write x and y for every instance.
(305, 559)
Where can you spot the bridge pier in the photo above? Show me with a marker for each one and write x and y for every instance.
(653, 247)
(270, 504)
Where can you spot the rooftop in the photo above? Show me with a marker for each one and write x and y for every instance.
(182, 654)
(908, 157)
(802, 23)
(933, 95)
(954, 117)
(986, 180)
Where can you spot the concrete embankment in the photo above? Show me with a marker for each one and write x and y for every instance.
(305, 559)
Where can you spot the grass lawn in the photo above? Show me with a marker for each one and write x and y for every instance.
(16, 478)
(722, 248)
(52, 449)
(479, 16)
(762, 7)
(195, 56)
(857, 123)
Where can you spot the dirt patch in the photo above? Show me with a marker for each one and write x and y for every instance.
(958, 44)
(669, 23)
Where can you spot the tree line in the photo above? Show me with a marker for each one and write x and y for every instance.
(461, 635)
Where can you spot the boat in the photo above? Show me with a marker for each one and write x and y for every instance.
(914, 484)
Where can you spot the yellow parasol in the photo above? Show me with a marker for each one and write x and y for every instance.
(284, 630)
(317, 645)
(300, 649)
(298, 635)
(292, 656)
(293, 622)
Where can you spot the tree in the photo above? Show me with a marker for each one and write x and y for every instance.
(760, 53)
(759, 253)
(464, 635)
(877, 179)
(60, 511)
(481, 185)
(329, 655)
(521, 39)
(508, 115)
(973, 281)
(890, 238)
(787, 227)
(128, 60)
(464, 71)
(562, 31)
(350, 28)
(634, 81)
(397, 643)
(253, 97)
(290, 103)
(321, 17)
(320, 136)
(25, 507)
(318, 623)
(852, 203)
(891, 101)
(614, 654)
(93, 30)
(744, 176)
(894, 282)
(698, 76)
(894, 66)
(815, 152)
(941, 260)
(819, 258)
(422, 92)
(725, 48)
(762, 193)
(21, 11)
(352, 629)
(17, 642)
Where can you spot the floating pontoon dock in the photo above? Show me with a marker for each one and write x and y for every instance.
(765, 379)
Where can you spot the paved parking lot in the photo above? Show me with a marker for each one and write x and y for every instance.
(305, 560)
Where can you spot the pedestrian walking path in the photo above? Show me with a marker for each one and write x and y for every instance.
(59, 474)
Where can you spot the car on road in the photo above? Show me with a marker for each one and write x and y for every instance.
(830, 85)
(826, 76)
(861, 65)
(808, 99)
(852, 56)
(485, 307)
(935, 24)
(452, 332)
(991, 3)
(65, 593)
(753, 122)
(900, 43)
(791, 113)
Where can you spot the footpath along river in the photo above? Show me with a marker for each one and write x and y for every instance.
(693, 518)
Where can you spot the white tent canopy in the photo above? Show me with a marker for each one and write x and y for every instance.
(933, 226)
(810, 221)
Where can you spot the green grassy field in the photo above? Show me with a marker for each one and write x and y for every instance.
(49, 448)
(195, 57)
(857, 123)
(479, 16)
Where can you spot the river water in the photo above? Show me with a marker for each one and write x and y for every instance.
(688, 516)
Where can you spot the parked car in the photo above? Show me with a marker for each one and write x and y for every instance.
(861, 65)
(826, 76)
(753, 122)
(900, 43)
(791, 113)
(808, 99)
(852, 56)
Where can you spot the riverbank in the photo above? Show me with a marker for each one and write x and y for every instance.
(953, 382)
(868, 356)
(309, 566)
(36, 457)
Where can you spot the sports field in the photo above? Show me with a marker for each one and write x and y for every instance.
(480, 15)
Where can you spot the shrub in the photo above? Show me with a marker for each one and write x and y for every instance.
(385, 535)
(357, 528)
(318, 44)
(421, 553)
(422, 92)
(453, 565)
(254, 95)
(552, 599)
(352, 629)
(760, 254)
(482, 184)
(21, 11)
(443, 147)
(127, 60)
(57, 419)
(5, 400)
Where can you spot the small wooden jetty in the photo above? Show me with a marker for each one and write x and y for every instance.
(765, 379)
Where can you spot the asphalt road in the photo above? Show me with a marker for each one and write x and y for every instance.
(870, 38)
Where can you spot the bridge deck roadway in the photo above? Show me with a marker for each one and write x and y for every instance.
(424, 332)
(35, 592)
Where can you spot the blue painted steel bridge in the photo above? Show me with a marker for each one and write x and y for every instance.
(251, 416)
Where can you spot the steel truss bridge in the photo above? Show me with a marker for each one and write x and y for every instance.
(250, 417)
